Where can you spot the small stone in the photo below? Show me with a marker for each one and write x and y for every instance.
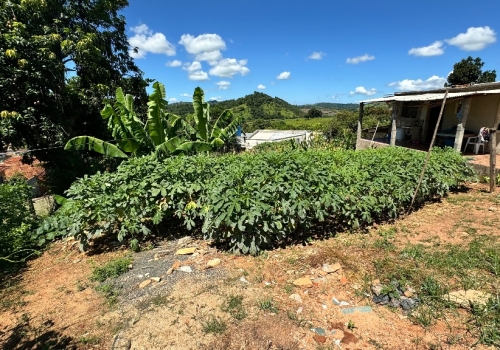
(349, 338)
(176, 264)
(76, 261)
(185, 269)
(376, 289)
(169, 271)
(299, 310)
(320, 339)
(186, 251)
(408, 294)
(465, 298)
(156, 279)
(343, 279)
(303, 282)
(290, 272)
(213, 262)
(362, 309)
(130, 266)
(244, 280)
(381, 299)
(394, 302)
(408, 303)
(331, 268)
(324, 306)
(319, 331)
(296, 297)
(184, 241)
(492, 208)
(145, 283)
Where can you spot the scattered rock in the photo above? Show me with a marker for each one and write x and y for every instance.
(145, 283)
(169, 271)
(303, 282)
(408, 303)
(394, 303)
(121, 343)
(331, 268)
(362, 309)
(130, 266)
(156, 279)
(343, 279)
(186, 268)
(244, 280)
(184, 240)
(299, 310)
(376, 288)
(319, 331)
(176, 264)
(76, 261)
(296, 297)
(320, 339)
(465, 298)
(290, 272)
(349, 338)
(213, 262)
(381, 299)
(335, 301)
(186, 251)
(408, 294)
(492, 208)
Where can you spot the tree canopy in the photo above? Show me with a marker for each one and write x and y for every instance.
(314, 113)
(469, 71)
(59, 61)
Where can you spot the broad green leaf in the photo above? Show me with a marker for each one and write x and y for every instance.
(90, 143)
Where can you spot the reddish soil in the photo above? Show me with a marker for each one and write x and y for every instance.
(53, 300)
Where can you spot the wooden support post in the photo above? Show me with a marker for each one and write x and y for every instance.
(493, 159)
(360, 125)
(493, 150)
(396, 109)
(459, 136)
(430, 149)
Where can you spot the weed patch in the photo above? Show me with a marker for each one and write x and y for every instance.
(214, 325)
(111, 269)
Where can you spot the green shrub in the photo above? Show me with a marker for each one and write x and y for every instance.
(111, 269)
(17, 219)
(254, 201)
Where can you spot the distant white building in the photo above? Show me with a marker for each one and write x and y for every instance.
(249, 141)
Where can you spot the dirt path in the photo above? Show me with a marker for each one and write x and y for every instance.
(245, 302)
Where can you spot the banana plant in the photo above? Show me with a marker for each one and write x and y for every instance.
(163, 133)
(199, 134)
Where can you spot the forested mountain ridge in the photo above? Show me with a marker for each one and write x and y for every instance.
(255, 106)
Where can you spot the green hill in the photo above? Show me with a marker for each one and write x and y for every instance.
(333, 106)
(255, 106)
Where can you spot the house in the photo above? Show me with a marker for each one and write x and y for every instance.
(415, 114)
(33, 173)
(250, 140)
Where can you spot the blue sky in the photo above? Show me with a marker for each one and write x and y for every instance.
(309, 51)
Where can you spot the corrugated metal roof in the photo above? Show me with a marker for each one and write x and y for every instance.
(274, 135)
(430, 96)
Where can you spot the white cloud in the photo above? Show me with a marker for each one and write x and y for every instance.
(195, 71)
(316, 55)
(172, 99)
(362, 91)
(145, 41)
(198, 75)
(283, 76)
(174, 63)
(261, 87)
(211, 57)
(228, 67)
(475, 39)
(216, 98)
(202, 43)
(359, 59)
(435, 49)
(433, 82)
(223, 85)
(185, 95)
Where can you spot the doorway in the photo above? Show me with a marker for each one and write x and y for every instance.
(433, 118)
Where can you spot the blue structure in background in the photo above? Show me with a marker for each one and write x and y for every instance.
(238, 131)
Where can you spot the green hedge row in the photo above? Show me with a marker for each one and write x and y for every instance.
(254, 201)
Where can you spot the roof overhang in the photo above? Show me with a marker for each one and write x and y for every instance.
(430, 96)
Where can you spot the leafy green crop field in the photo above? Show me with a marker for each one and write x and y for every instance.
(252, 201)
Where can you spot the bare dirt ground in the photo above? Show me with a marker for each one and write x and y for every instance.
(243, 302)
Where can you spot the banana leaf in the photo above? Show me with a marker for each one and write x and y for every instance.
(90, 143)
